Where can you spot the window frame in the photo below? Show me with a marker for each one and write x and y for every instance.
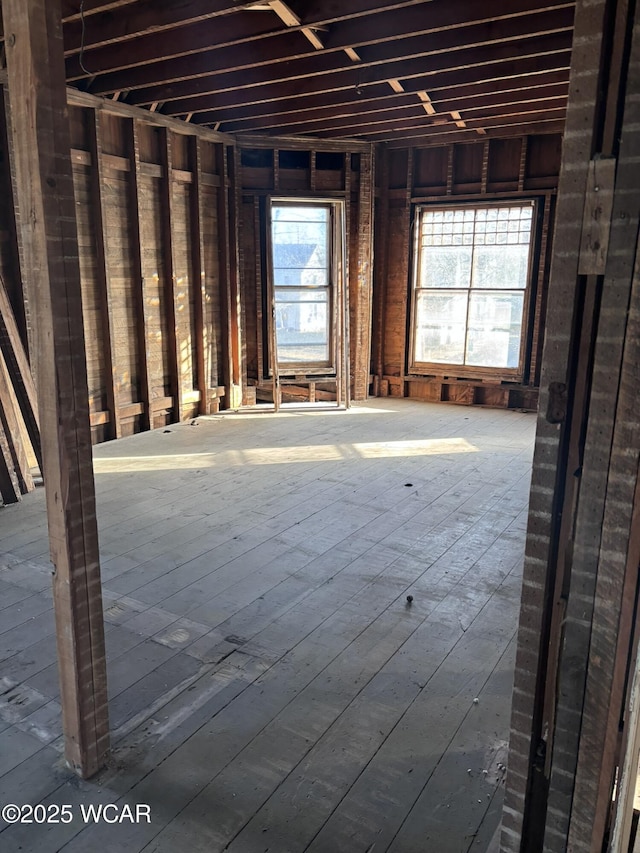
(459, 369)
(335, 288)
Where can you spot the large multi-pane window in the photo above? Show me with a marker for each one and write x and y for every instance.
(470, 281)
(302, 282)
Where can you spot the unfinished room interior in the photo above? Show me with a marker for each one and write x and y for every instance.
(319, 426)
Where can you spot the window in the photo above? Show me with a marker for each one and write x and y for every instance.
(471, 275)
(302, 265)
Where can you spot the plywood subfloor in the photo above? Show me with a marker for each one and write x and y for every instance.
(270, 687)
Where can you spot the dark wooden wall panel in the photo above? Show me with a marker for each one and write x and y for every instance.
(467, 167)
(395, 308)
(504, 164)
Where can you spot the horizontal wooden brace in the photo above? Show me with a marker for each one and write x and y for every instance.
(152, 170)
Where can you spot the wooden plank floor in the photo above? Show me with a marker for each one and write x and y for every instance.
(270, 687)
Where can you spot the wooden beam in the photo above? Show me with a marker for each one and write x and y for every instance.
(340, 115)
(104, 28)
(71, 8)
(484, 117)
(502, 131)
(452, 82)
(45, 189)
(324, 72)
(411, 114)
(249, 41)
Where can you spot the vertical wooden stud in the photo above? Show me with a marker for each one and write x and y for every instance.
(364, 279)
(522, 171)
(343, 365)
(102, 271)
(450, 176)
(238, 346)
(381, 268)
(138, 271)
(204, 333)
(485, 166)
(259, 286)
(312, 172)
(170, 281)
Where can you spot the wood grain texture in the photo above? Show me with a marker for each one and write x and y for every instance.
(38, 99)
(259, 638)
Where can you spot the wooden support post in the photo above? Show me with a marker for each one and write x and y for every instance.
(170, 283)
(35, 60)
(141, 306)
(19, 372)
(102, 271)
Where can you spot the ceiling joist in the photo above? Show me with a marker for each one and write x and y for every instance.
(368, 69)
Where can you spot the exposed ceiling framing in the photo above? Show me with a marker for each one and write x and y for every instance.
(378, 70)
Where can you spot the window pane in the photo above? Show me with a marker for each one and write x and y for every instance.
(445, 266)
(302, 325)
(500, 266)
(300, 237)
(495, 325)
(440, 326)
